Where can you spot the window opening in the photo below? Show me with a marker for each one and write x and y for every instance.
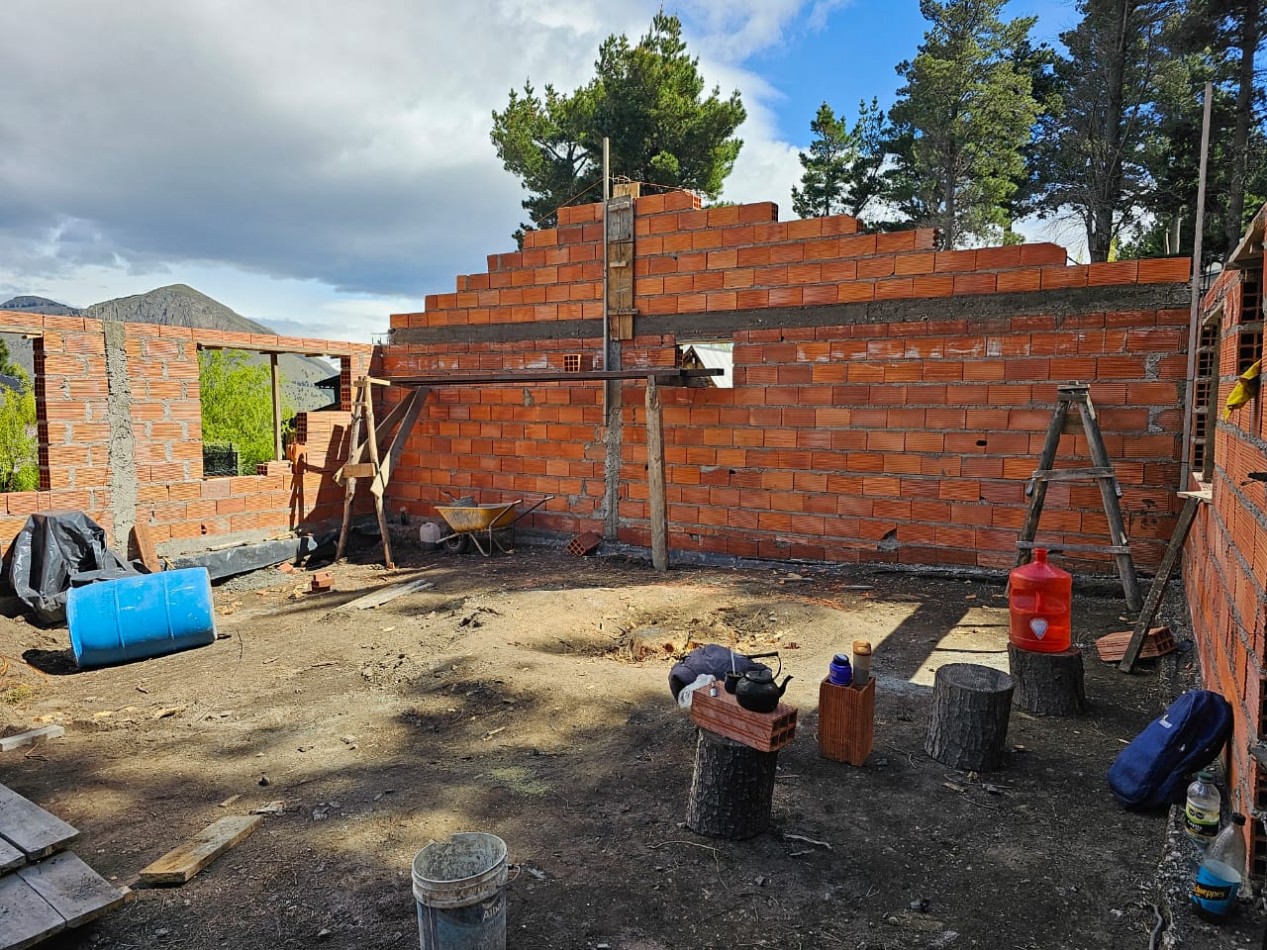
(708, 354)
(240, 429)
(1249, 342)
(23, 431)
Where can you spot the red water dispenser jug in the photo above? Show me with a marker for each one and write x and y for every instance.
(1040, 606)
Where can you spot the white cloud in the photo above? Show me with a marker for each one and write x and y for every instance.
(321, 146)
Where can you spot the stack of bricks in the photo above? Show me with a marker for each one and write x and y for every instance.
(889, 400)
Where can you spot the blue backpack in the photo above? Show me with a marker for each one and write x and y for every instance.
(1153, 770)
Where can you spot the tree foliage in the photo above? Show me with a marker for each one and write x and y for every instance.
(1094, 149)
(647, 99)
(961, 121)
(843, 166)
(237, 405)
(19, 447)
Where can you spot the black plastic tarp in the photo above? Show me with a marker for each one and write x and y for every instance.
(54, 551)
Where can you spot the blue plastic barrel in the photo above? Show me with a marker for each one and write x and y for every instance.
(137, 617)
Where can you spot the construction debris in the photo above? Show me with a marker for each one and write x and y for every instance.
(322, 581)
(384, 595)
(584, 544)
(1157, 642)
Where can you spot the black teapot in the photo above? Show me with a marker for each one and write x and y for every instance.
(758, 691)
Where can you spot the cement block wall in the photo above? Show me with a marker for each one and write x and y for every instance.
(120, 433)
(1225, 564)
(889, 403)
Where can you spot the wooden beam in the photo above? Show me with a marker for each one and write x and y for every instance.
(1174, 553)
(655, 478)
(378, 499)
(75, 891)
(180, 864)
(412, 408)
(665, 374)
(278, 453)
(31, 737)
(30, 828)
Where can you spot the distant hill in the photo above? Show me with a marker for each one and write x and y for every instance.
(179, 305)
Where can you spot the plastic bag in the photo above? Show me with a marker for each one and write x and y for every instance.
(54, 551)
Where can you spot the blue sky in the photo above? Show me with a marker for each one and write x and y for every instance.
(317, 165)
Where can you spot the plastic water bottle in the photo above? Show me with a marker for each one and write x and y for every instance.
(840, 673)
(703, 681)
(1201, 813)
(1219, 876)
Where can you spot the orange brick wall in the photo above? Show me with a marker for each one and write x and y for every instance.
(173, 499)
(1225, 569)
(870, 438)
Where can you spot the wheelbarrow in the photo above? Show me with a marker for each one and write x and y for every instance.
(471, 523)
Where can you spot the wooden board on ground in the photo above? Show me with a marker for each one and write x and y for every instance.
(1158, 642)
(25, 917)
(384, 595)
(179, 865)
(30, 737)
(31, 829)
(141, 546)
(10, 857)
(74, 890)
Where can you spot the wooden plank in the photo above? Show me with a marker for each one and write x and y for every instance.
(655, 479)
(10, 857)
(360, 470)
(1109, 492)
(349, 486)
(25, 917)
(1073, 474)
(1055, 547)
(408, 411)
(379, 511)
(180, 864)
(30, 737)
(31, 829)
(74, 890)
(1171, 559)
(387, 594)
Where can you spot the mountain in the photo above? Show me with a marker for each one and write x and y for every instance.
(179, 305)
(29, 304)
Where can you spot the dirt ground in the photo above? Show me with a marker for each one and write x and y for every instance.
(503, 699)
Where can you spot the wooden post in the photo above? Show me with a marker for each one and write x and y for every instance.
(1048, 684)
(349, 485)
(378, 498)
(1173, 554)
(1112, 511)
(277, 408)
(971, 707)
(655, 479)
(732, 790)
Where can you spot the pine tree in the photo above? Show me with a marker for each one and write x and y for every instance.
(1092, 160)
(843, 166)
(961, 121)
(647, 99)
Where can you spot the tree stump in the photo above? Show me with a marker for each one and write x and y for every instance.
(971, 705)
(1048, 684)
(733, 788)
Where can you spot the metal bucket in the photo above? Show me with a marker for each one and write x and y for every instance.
(460, 891)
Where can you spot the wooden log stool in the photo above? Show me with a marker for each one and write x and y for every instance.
(971, 706)
(736, 754)
(1048, 684)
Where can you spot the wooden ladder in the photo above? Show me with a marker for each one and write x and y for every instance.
(364, 460)
(1079, 394)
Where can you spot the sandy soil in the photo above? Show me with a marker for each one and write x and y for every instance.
(503, 699)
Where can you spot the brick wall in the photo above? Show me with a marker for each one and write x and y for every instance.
(889, 401)
(155, 408)
(1225, 563)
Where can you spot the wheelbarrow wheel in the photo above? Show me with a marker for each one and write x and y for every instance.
(456, 544)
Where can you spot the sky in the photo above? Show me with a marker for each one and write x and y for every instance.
(317, 165)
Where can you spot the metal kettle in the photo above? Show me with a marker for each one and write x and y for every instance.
(758, 692)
